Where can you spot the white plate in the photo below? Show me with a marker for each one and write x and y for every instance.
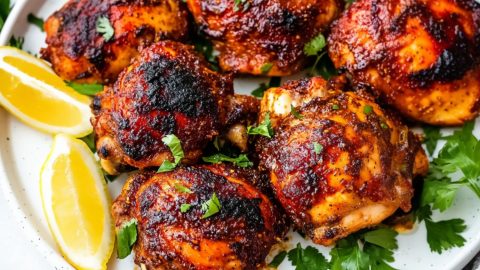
(23, 150)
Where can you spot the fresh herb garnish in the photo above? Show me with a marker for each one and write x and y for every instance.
(278, 259)
(295, 113)
(335, 107)
(237, 4)
(90, 141)
(86, 89)
(16, 42)
(104, 27)
(264, 129)
(315, 47)
(265, 68)
(36, 21)
(126, 238)
(185, 207)
(274, 82)
(365, 250)
(211, 207)
(318, 148)
(367, 109)
(4, 11)
(241, 161)
(176, 148)
(432, 135)
(384, 125)
(205, 47)
(182, 189)
(307, 258)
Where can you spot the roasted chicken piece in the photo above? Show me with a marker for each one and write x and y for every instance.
(168, 89)
(339, 163)
(238, 236)
(78, 49)
(420, 56)
(263, 36)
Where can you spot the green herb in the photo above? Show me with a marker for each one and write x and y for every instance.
(238, 3)
(4, 11)
(335, 107)
(126, 238)
(176, 148)
(367, 109)
(36, 21)
(86, 89)
(90, 141)
(185, 207)
(295, 113)
(384, 125)
(266, 68)
(308, 258)
(365, 250)
(317, 148)
(241, 161)
(211, 207)
(274, 82)
(205, 47)
(432, 135)
(441, 235)
(16, 42)
(315, 46)
(104, 27)
(278, 259)
(460, 155)
(182, 189)
(264, 129)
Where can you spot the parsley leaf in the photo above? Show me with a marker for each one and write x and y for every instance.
(4, 11)
(86, 89)
(176, 148)
(182, 189)
(104, 27)
(432, 135)
(274, 82)
(382, 237)
(126, 238)
(367, 109)
(318, 148)
(211, 207)
(441, 235)
(278, 259)
(265, 68)
(264, 129)
(239, 3)
(308, 258)
(16, 42)
(185, 207)
(36, 21)
(241, 161)
(315, 46)
(295, 113)
(90, 141)
(205, 47)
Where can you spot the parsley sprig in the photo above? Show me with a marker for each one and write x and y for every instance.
(240, 161)
(104, 27)
(175, 146)
(126, 238)
(260, 90)
(31, 18)
(263, 129)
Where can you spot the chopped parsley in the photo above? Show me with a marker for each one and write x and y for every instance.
(16, 42)
(322, 65)
(295, 113)
(367, 109)
(315, 46)
(4, 11)
(307, 258)
(260, 90)
(432, 136)
(278, 259)
(241, 161)
(182, 189)
(89, 140)
(335, 107)
(237, 5)
(264, 129)
(185, 207)
(211, 207)
(176, 148)
(126, 238)
(318, 148)
(31, 18)
(265, 68)
(104, 27)
(86, 89)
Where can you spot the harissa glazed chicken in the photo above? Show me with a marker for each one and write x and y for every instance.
(168, 89)
(340, 163)
(420, 56)
(78, 49)
(238, 236)
(263, 36)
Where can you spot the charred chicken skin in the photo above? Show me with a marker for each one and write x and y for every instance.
(168, 89)
(263, 36)
(80, 52)
(422, 57)
(239, 236)
(344, 164)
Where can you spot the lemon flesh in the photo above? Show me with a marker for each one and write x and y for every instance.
(76, 204)
(33, 93)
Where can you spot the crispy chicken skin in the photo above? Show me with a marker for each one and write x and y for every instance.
(239, 236)
(168, 89)
(253, 33)
(78, 52)
(345, 165)
(422, 57)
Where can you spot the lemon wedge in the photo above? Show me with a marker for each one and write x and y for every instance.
(32, 92)
(76, 204)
